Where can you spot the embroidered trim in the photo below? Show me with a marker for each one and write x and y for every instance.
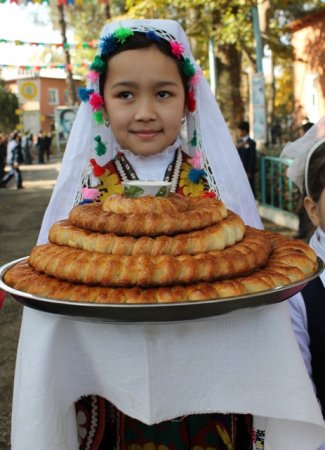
(93, 422)
(172, 174)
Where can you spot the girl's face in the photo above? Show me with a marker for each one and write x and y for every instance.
(144, 100)
(316, 210)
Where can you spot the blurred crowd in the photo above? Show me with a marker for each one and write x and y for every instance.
(17, 149)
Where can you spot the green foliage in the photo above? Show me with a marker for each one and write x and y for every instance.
(9, 104)
(228, 22)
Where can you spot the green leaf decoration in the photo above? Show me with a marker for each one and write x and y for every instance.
(193, 141)
(133, 191)
(98, 117)
(100, 147)
(121, 34)
(162, 192)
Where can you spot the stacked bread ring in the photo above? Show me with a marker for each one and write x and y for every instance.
(151, 249)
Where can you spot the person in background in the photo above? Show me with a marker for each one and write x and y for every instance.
(3, 154)
(308, 312)
(47, 146)
(247, 151)
(13, 157)
(40, 145)
(276, 133)
(26, 143)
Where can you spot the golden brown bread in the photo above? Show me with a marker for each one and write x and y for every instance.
(217, 237)
(172, 204)
(101, 269)
(200, 213)
(24, 278)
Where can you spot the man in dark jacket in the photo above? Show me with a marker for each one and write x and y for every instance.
(13, 156)
(247, 151)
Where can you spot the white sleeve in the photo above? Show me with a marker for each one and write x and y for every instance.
(298, 316)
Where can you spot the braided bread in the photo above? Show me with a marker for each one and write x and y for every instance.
(172, 204)
(200, 213)
(111, 270)
(23, 277)
(217, 237)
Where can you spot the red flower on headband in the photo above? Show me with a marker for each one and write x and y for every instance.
(177, 49)
(96, 101)
(190, 101)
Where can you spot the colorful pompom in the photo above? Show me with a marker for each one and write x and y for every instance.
(195, 79)
(107, 45)
(90, 193)
(98, 65)
(177, 49)
(100, 147)
(84, 94)
(190, 101)
(152, 36)
(98, 117)
(188, 67)
(97, 170)
(194, 175)
(92, 76)
(121, 34)
(196, 160)
(96, 101)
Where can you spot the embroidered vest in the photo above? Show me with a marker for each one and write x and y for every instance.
(119, 169)
(314, 298)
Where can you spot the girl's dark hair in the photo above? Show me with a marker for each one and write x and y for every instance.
(316, 173)
(140, 41)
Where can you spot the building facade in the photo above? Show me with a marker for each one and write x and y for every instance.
(308, 37)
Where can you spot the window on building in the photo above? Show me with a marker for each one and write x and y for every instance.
(53, 96)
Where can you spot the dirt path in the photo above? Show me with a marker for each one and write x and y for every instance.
(21, 217)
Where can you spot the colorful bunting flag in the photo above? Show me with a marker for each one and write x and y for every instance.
(59, 2)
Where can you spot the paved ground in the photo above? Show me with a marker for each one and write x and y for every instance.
(21, 216)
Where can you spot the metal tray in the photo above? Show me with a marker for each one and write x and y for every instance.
(161, 312)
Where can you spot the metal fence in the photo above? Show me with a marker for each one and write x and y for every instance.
(275, 188)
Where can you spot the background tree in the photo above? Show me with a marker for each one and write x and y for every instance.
(228, 22)
(9, 104)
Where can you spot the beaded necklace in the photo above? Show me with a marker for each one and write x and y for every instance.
(172, 173)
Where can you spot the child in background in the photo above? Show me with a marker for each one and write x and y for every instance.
(143, 86)
(308, 311)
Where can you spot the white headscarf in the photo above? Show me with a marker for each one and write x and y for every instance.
(301, 151)
(220, 160)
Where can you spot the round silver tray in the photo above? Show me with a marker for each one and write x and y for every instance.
(156, 312)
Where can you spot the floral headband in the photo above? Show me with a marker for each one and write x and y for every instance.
(110, 43)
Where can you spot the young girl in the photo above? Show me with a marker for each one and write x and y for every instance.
(308, 311)
(161, 385)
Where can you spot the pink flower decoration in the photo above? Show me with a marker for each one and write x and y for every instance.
(96, 101)
(90, 194)
(196, 160)
(195, 79)
(92, 76)
(177, 49)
